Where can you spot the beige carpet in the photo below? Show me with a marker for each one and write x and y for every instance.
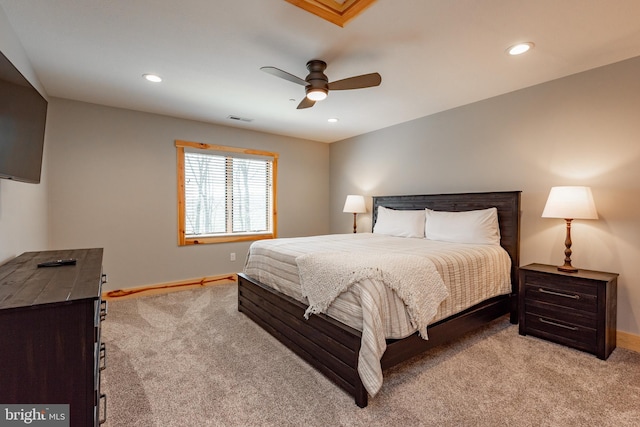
(191, 359)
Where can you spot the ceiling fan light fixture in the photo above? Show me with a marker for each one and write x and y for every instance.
(317, 94)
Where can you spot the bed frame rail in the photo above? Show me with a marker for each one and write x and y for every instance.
(328, 345)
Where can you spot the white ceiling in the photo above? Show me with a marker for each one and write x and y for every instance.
(433, 55)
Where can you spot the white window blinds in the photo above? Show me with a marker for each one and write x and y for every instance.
(250, 195)
(205, 194)
(227, 193)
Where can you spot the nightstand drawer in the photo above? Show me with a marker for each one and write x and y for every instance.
(586, 319)
(566, 333)
(578, 297)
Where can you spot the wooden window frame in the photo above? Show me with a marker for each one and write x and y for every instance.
(183, 240)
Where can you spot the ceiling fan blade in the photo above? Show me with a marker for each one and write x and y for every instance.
(306, 103)
(284, 75)
(357, 82)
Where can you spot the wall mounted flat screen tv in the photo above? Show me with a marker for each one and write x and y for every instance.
(23, 113)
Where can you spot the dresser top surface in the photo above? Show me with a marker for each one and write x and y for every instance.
(581, 273)
(23, 284)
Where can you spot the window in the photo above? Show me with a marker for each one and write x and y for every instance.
(225, 194)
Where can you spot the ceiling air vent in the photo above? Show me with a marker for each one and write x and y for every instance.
(239, 119)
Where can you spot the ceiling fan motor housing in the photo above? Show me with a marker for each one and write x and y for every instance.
(317, 80)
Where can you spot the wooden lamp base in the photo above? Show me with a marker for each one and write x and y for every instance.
(567, 267)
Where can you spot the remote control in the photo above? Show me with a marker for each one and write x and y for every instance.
(58, 262)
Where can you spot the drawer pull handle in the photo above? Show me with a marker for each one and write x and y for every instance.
(103, 397)
(549, 322)
(103, 357)
(104, 308)
(559, 294)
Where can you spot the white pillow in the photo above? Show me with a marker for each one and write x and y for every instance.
(479, 226)
(401, 223)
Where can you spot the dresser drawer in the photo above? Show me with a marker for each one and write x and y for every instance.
(587, 319)
(575, 297)
(571, 334)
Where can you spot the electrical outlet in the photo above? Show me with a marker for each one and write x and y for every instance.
(232, 256)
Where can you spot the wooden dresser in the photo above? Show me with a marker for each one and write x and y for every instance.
(50, 348)
(575, 309)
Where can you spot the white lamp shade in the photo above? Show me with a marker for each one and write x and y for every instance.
(354, 204)
(570, 203)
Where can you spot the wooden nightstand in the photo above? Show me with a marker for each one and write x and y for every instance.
(575, 309)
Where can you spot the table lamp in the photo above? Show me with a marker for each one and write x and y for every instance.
(355, 205)
(570, 203)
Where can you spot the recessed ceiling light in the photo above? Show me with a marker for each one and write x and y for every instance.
(520, 48)
(333, 120)
(152, 78)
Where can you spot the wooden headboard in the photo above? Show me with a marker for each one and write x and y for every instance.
(507, 203)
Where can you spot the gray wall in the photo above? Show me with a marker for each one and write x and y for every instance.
(580, 130)
(113, 184)
(23, 207)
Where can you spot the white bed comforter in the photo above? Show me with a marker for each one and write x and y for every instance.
(324, 276)
(469, 273)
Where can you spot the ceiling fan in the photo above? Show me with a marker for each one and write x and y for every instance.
(317, 84)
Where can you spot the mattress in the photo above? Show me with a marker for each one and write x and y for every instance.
(471, 273)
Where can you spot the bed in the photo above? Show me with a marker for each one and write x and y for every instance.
(333, 347)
